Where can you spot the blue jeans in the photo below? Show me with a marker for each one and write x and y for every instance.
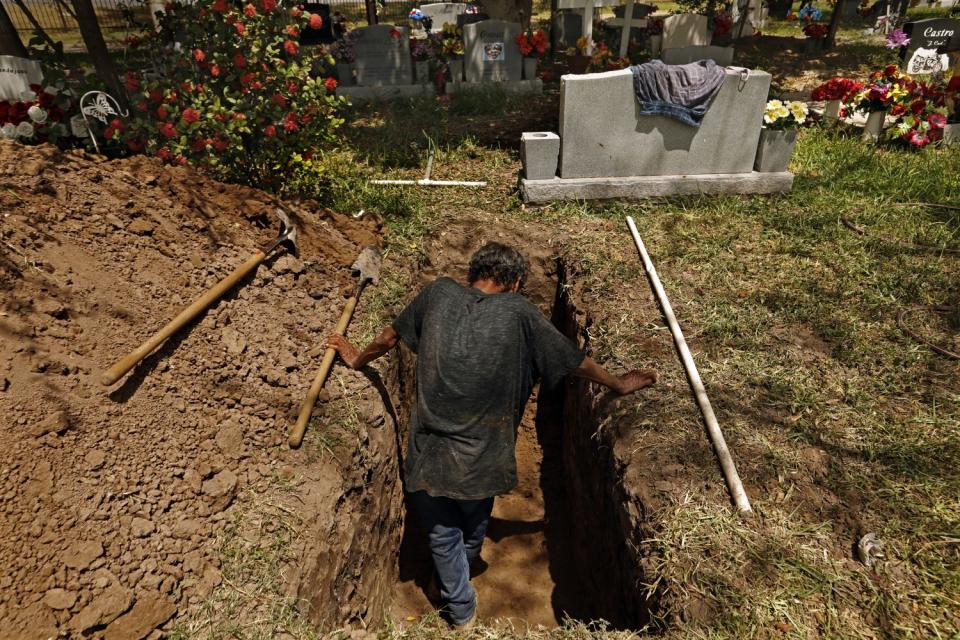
(455, 530)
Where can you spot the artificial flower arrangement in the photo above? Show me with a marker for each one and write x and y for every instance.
(421, 49)
(810, 14)
(532, 44)
(342, 49)
(836, 89)
(785, 115)
(654, 26)
(886, 88)
(603, 59)
(896, 39)
(38, 116)
(451, 42)
(580, 48)
(815, 30)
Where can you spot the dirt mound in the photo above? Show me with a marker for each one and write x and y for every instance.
(110, 500)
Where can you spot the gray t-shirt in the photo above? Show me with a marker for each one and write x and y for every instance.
(478, 357)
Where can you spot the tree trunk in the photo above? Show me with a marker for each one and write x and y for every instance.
(831, 40)
(97, 48)
(10, 42)
(509, 10)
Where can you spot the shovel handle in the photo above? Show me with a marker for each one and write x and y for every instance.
(127, 362)
(296, 434)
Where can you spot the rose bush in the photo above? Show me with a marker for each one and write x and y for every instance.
(238, 97)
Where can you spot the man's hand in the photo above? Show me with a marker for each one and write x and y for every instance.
(635, 380)
(348, 353)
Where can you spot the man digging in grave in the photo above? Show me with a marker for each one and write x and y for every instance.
(480, 350)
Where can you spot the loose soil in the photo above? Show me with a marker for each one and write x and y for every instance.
(112, 500)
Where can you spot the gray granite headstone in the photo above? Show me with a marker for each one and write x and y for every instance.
(723, 56)
(930, 41)
(382, 58)
(16, 76)
(492, 53)
(604, 135)
(686, 30)
(443, 13)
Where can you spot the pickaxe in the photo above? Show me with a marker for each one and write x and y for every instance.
(367, 266)
(288, 236)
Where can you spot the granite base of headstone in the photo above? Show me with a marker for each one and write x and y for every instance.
(723, 56)
(609, 150)
(382, 66)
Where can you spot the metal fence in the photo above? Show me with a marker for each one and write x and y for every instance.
(57, 16)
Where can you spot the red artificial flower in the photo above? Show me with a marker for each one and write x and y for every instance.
(268, 5)
(330, 84)
(156, 96)
(292, 86)
(180, 160)
(220, 5)
(199, 144)
(315, 21)
(256, 85)
(239, 61)
(296, 12)
(270, 131)
(937, 120)
(167, 130)
(918, 106)
(290, 123)
(395, 33)
(220, 145)
(163, 153)
(890, 70)
(142, 107)
(247, 78)
(898, 110)
(215, 70)
(241, 28)
(291, 47)
(117, 124)
(162, 113)
(134, 145)
(172, 97)
(278, 100)
(250, 11)
(199, 55)
(190, 115)
(132, 81)
(292, 31)
(108, 132)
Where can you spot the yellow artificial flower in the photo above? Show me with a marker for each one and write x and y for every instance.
(799, 111)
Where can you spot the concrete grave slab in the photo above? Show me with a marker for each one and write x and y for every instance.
(492, 53)
(686, 30)
(604, 136)
(723, 56)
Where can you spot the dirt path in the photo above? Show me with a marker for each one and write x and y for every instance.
(525, 580)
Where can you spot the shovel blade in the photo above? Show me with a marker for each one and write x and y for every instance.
(367, 265)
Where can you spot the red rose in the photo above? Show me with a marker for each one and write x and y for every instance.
(315, 21)
(241, 28)
(239, 61)
(215, 70)
(270, 131)
(278, 100)
(290, 47)
(199, 55)
(268, 5)
(330, 84)
(162, 113)
(134, 145)
(292, 31)
(250, 11)
(190, 116)
(117, 124)
(167, 130)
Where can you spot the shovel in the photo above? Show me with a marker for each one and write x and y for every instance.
(288, 234)
(367, 265)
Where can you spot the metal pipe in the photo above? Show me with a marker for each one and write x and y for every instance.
(716, 435)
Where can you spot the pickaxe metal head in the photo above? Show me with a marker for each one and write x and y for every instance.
(288, 234)
(367, 266)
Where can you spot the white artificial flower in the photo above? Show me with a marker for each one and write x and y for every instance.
(37, 114)
(177, 47)
(28, 95)
(9, 131)
(25, 130)
(78, 126)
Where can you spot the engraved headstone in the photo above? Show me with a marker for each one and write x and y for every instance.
(930, 42)
(382, 56)
(16, 76)
(686, 30)
(443, 13)
(492, 53)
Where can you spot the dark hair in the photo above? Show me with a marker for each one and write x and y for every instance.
(500, 263)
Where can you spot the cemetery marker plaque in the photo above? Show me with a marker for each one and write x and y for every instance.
(930, 41)
(492, 53)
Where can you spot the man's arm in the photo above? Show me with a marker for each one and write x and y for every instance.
(624, 384)
(355, 359)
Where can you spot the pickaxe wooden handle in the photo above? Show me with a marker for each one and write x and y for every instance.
(296, 434)
(130, 360)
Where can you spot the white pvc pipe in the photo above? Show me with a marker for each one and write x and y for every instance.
(716, 435)
(432, 183)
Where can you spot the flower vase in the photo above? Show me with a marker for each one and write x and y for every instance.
(529, 68)
(579, 63)
(456, 70)
(951, 133)
(422, 69)
(345, 73)
(831, 112)
(774, 150)
(656, 42)
(813, 45)
(874, 126)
